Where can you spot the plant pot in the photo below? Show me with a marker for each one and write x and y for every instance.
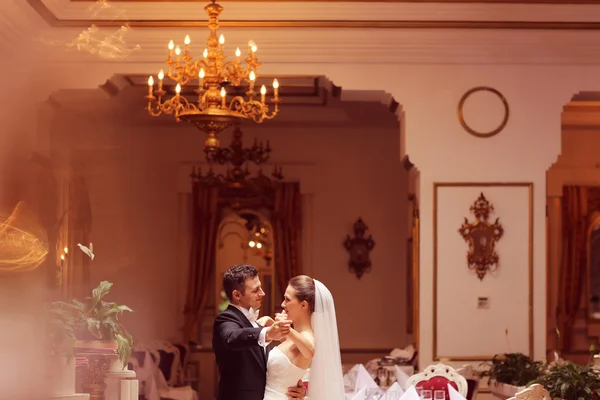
(106, 348)
(504, 390)
(61, 376)
(97, 345)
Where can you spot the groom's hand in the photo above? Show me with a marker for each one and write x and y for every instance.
(278, 331)
(281, 316)
(297, 392)
(265, 321)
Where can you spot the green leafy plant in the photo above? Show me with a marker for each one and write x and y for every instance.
(570, 381)
(60, 331)
(224, 301)
(514, 369)
(99, 319)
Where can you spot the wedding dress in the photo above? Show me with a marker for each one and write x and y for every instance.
(326, 377)
(281, 374)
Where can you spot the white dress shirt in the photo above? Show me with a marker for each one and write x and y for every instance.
(262, 337)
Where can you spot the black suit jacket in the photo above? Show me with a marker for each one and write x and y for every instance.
(241, 361)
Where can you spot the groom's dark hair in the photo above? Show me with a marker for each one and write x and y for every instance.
(235, 278)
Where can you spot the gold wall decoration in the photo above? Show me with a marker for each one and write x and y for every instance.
(482, 237)
(359, 248)
(461, 117)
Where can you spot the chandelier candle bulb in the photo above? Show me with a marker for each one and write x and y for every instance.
(201, 75)
(171, 47)
(178, 89)
(238, 53)
(178, 53)
(161, 76)
(187, 42)
(222, 43)
(276, 87)
(263, 92)
(205, 53)
(150, 85)
(223, 98)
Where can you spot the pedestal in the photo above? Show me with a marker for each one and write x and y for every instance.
(113, 383)
(94, 380)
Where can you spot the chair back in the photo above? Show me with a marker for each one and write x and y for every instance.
(437, 377)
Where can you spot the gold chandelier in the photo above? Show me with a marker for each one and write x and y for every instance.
(214, 109)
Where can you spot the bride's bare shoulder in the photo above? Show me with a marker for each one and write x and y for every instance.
(309, 334)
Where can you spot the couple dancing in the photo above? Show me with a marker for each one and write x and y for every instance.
(306, 331)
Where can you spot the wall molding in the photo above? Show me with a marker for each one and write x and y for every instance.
(436, 186)
(355, 46)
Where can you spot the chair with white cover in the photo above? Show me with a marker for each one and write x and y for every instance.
(144, 361)
(438, 377)
(186, 370)
(533, 392)
(170, 362)
(472, 378)
(169, 372)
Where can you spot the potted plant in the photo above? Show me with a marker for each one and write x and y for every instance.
(511, 372)
(570, 381)
(97, 323)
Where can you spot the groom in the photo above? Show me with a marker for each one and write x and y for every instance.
(240, 344)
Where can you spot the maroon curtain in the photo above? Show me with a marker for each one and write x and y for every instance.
(574, 260)
(205, 223)
(287, 232)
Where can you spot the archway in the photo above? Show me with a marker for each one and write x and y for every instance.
(572, 208)
(325, 138)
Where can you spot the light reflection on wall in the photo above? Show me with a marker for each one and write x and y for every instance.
(23, 249)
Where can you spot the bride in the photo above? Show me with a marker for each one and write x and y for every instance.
(312, 342)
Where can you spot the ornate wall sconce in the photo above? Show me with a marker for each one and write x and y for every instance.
(359, 248)
(481, 237)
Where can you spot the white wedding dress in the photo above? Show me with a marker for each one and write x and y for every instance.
(281, 374)
(326, 377)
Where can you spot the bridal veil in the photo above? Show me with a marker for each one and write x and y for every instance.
(326, 377)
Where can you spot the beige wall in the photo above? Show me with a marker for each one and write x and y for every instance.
(135, 173)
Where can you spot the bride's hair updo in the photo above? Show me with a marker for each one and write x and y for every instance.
(304, 286)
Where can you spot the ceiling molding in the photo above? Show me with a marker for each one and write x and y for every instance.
(54, 21)
(362, 1)
(302, 95)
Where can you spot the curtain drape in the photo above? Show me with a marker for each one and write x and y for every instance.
(574, 260)
(205, 222)
(287, 232)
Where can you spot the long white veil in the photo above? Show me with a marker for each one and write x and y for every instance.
(326, 377)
